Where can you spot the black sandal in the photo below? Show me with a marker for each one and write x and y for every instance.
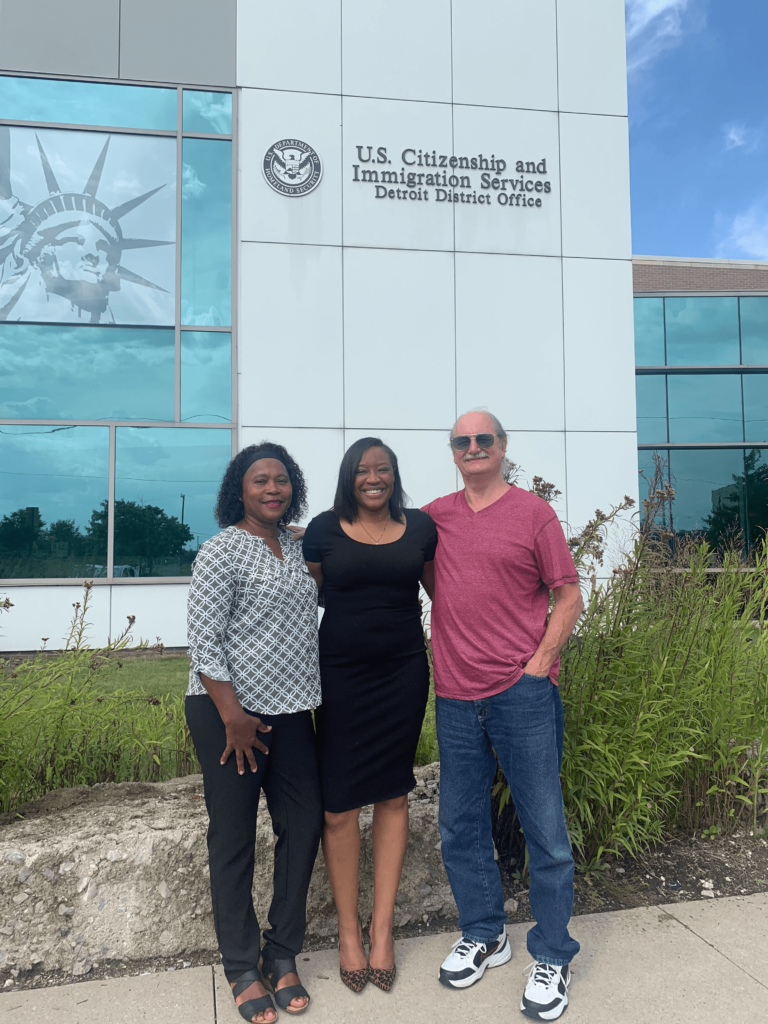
(251, 1007)
(276, 969)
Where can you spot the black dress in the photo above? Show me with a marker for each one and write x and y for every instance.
(373, 663)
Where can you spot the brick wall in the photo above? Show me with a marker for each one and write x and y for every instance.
(699, 277)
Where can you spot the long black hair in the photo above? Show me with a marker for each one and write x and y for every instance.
(345, 502)
(229, 504)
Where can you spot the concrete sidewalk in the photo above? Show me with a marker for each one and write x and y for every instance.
(692, 962)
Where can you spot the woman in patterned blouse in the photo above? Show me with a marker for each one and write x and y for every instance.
(253, 683)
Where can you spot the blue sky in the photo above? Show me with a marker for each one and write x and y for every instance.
(698, 126)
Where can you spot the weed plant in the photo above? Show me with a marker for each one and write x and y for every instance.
(58, 728)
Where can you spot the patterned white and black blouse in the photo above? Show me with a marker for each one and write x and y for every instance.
(252, 620)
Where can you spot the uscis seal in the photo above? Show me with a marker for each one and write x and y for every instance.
(292, 168)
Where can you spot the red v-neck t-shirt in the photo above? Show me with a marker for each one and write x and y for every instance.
(493, 573)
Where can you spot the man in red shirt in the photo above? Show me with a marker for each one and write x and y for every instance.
(496, 649)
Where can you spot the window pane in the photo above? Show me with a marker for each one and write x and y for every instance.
(755, 406)
(208, 112)
(64, 102)
(206, 376)
(754, 330)
(91, 373)
(166, 482)
(709, 492)
(87, 227)
(646, 467)
(704, 407)
(53, 501)
(756, 464)
(206, 233)
(651, 409)
(649, 332)
(702, 331)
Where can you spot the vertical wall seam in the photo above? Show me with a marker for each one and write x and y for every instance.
(453, 212)
(177, 303)
(234, 272)
(119, 33)
(343, 262)
(562, 268)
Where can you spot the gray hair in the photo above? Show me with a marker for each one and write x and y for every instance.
(509, 470)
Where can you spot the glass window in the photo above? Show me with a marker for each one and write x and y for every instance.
(206, 233)
(702, 331)
(87, 227)
(89, 373)
(705, 407)
(66, 102)
(646, 467)
(53, 488)
(649, 332)
(166, 482)
(209, 112)
(756, 472)
(206, 376)
(754, 330)
(709, 492)
(755, 407)
(651, 408)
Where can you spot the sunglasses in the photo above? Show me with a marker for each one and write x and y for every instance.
(462, 442)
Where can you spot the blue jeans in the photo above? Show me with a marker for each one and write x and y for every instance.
(524, 726)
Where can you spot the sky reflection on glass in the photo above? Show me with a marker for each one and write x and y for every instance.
(649, 332)
(206, 376)
(705, 407)
(702, 331)
(206, 233)
(651, 409)
(754, 330)
(208, 112)
(703, 482)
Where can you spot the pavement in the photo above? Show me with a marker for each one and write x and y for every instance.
(687, 963)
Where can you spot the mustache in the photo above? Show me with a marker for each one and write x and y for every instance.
(471, 458)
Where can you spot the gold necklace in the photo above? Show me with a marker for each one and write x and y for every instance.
(382, 532)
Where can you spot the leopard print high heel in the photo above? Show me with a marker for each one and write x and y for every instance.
(355, 980)
(382, 977)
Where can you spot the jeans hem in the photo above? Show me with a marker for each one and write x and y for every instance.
(481, 938)
(555, 961)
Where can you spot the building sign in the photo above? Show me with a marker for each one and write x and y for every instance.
(292, 168)
(428, 176)
(73, 207)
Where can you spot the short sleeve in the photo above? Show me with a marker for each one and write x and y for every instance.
(314, 543)
(430, 546)
(553, 556)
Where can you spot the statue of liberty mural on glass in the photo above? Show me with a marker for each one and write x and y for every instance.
(66, 227)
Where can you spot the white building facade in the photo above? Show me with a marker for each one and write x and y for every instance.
(430, 212)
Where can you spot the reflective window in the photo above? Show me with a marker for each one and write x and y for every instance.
(206, 376)
(87, 373)
(646, 467)
(702, 331)
(704, 407)
(206, 233)
(649, 332)
(754, 330)
(651, 409)
(756, 473)
(87, 227)
(166, 482)
(755, 407)
(709, 492)
(53, 488)
(67, 102)
(209, 112)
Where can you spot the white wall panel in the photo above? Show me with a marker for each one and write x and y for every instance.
(539, 453)
(395, 126)
(399, 353)
(47, 612)
(291, 335)
(424, 458)
(505, 54)
(265, 215)
(599, 345)
(602, 468)
(529, 136)
(318, 453)
(397, 48)
(295, 46)
(161, 611)
(594, 163)
(592, 58)
(509, 339)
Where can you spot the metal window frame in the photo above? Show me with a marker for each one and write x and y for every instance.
(179, 134)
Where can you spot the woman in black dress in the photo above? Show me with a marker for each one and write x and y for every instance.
(368, 555)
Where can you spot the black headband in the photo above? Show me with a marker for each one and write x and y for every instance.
(262, 453)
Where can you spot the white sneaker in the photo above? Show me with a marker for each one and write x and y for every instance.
(468, 961)
(546, 994)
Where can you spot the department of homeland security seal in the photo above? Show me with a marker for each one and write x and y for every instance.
(292, 168)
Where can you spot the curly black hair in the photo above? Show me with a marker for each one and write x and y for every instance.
(229, 504)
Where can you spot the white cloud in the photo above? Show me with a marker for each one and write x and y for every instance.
(737, 135)
(652, 27)
(747, 236)
(191, 186)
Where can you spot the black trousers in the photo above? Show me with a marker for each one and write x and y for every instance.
(289, 777)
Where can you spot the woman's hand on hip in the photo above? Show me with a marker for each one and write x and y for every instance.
(242, 736)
